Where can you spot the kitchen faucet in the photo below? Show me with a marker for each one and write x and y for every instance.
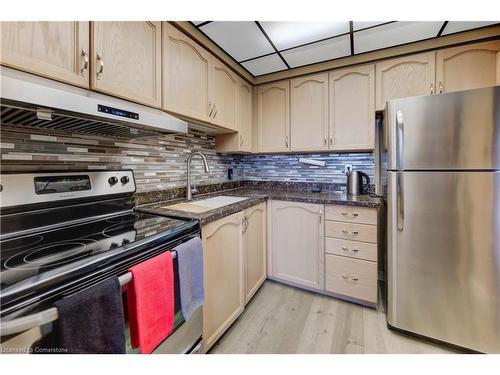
(205, 164)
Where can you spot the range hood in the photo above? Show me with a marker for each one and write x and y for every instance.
(36, 102)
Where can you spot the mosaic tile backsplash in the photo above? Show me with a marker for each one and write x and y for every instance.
(160, 162)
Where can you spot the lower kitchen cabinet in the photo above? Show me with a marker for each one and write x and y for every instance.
(234, 261)
(223, 265)
(296, 240)
(351, 277)
(255, 248)
(351, 253)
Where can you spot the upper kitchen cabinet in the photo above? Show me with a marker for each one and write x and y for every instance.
(57, 50)
(309, 113)
(468, 67)
(126, 60)
(241, 141)
(186, 71)
(352, 108)
(223, 86)
(405, 76)
(273, 117)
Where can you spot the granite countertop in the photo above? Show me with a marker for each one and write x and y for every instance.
(256, 196)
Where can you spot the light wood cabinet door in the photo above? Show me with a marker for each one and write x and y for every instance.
(245, 116)
(57, 50)
(405, 76)
(186, 68)
(468, 67)
(296, 253)
(352, 108)
(242, 141)
(309, 113)
(273, 117)
(223, 86)
(126, 60)
(223, 275)
(255, 239)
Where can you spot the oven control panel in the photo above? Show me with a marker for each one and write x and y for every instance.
(28, 188)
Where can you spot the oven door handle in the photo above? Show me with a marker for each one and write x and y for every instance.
(24, 323)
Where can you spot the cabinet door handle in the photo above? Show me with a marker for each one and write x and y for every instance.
(432, 88)
(286, 141)
(241, 140)
(440, 87)
(346, 249)
(325, 140)
(347, 214)
(215, 110)
(350, 278)
(320, 213)
(331, 140)
(101, 66)
(350, 233)
(85, 67)
(211, 109)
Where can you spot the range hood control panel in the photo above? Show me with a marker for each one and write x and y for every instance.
(117, 112)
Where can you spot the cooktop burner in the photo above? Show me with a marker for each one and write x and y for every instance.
(27, 256)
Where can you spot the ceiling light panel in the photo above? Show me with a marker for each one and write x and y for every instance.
(316, 52)
(242, 40)
(457, 26)
(264, 65)
(358, 25)
(394, 34)
(197, 22)
(291, 34)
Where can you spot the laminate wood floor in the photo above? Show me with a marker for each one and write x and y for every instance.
(283, 319)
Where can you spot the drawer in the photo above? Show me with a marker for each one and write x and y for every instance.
(354, 278)
(353, 249)
(351, 231)
(363, 215)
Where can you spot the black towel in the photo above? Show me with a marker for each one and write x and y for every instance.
(91, 321)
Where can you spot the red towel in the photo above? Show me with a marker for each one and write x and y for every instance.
(151, 302)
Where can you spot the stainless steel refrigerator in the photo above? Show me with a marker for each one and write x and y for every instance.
(443, 217)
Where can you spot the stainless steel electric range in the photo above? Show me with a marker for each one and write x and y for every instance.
(63, 232)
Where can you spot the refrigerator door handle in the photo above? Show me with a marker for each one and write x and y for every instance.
(399, 178)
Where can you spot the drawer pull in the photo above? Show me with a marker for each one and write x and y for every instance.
(349, 278)
(351, 250)
(350, 233)
(347, 214)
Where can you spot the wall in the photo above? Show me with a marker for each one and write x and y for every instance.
(160, 162)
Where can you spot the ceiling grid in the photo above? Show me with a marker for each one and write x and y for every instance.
(268, 47)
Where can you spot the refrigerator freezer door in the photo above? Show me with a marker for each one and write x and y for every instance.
(444, 264)
(459, 131)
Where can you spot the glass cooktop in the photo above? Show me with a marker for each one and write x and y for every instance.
(31, 255)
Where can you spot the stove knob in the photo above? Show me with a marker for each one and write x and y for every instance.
(124, 179)
(113, 180)
(113, 245)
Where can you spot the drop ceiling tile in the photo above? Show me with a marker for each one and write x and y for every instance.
(394, 34)
(264, 65)
(357, 25)
(321, 51)
(242, 40)
(291, 34)
(457, 26)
